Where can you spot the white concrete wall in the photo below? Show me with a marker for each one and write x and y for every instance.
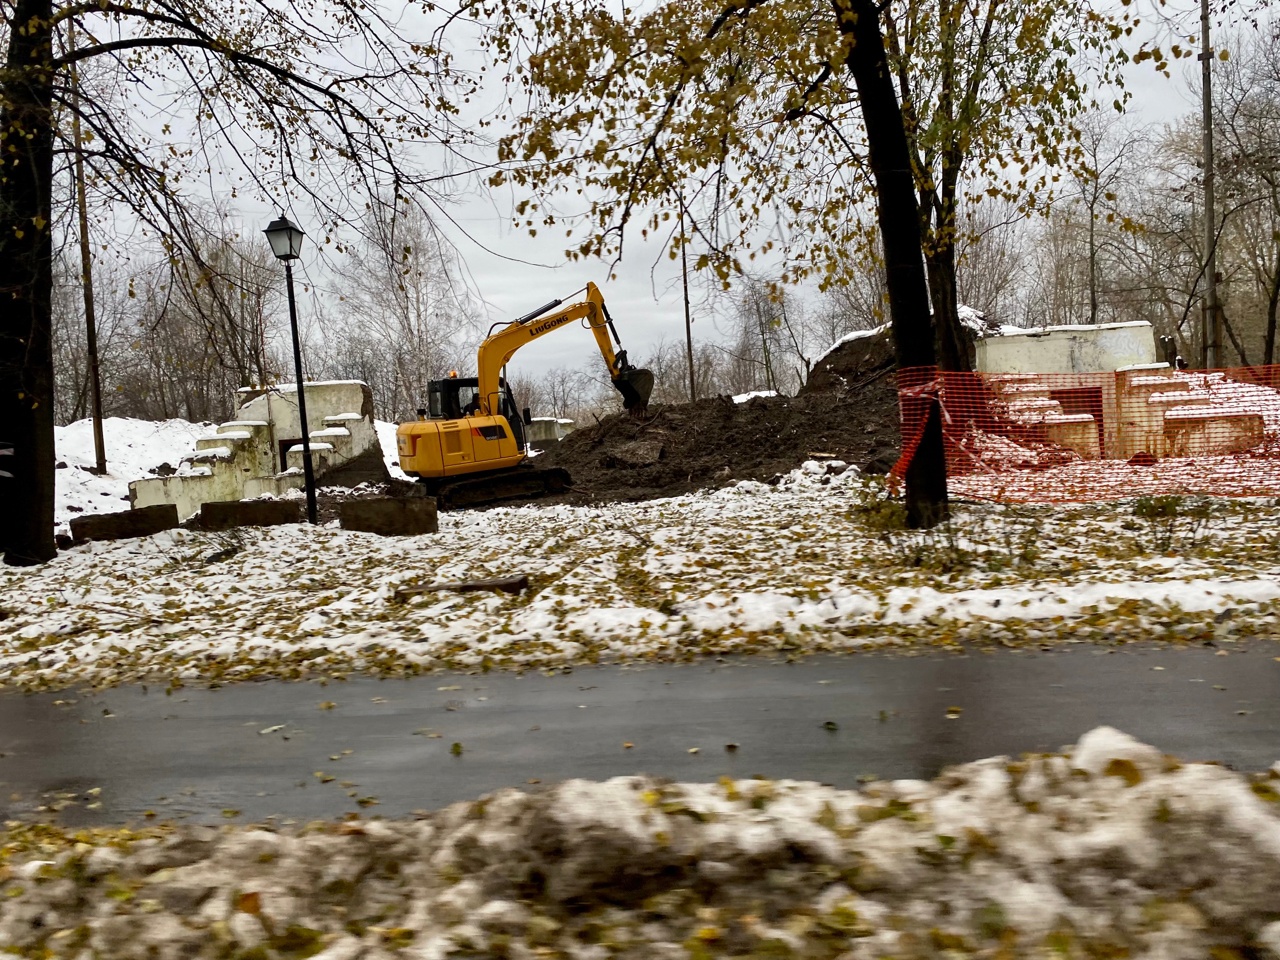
(1080, 349)
(187, 493)
(279, 407)
(548, 429)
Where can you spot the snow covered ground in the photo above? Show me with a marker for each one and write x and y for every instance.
(806, 565)
(1111, 850)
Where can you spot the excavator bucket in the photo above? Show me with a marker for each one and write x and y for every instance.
(635, 385)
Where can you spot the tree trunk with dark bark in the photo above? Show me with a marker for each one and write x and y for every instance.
(953, 345)
(913, 332)
(26, 281)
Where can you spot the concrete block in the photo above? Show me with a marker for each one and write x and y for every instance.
(1094, 348)
(139, 522)
(1077, 432)
(390, 516)
(368, 467)
(1215, 432)
(226, 514)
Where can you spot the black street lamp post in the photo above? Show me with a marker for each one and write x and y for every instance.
(286, 243)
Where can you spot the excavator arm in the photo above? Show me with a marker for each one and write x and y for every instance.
(633, 383)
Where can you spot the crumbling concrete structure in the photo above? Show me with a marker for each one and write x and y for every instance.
(260, 451)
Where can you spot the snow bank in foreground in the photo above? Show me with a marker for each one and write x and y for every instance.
(1113, 851)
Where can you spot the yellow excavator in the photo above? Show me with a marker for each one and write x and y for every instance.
(468, 444)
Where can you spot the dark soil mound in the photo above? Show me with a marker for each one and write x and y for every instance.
(851, 365)
(848, 411)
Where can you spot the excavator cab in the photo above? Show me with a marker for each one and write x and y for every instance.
(459, 397)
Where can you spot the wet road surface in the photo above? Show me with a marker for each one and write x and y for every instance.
(265, 750)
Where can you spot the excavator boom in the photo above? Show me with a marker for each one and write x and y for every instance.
(634, 383)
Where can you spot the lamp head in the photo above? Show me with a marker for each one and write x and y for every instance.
(285, 238)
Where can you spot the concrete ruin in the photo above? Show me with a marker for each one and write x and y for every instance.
(259, 453)
(1096, 348)
(1149, 409)
(546, 432)
(1049, 379)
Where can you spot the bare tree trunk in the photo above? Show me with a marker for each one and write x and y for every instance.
(890, 161)
(1226, 323)
(940, 257)
(1093, 265)
(26, 281)
(1273, 302)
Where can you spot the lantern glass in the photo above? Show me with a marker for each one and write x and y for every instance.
(285, 238)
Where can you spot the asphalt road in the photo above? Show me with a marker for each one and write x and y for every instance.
(266, 750)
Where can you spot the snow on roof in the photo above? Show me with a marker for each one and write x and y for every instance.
(1008, 331)
(227, 435)
(292, 388)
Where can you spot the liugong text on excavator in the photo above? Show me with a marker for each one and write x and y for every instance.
(468, 445)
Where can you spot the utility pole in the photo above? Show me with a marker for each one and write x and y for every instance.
(688, 318)
(86, 270)
(1212, 324)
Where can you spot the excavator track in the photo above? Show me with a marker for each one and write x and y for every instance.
(519, 483)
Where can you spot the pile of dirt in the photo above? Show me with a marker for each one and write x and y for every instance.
(847, 411)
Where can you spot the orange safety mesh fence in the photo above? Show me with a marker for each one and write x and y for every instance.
(1078, 437)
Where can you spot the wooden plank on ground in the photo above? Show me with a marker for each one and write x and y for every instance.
(516, 583)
